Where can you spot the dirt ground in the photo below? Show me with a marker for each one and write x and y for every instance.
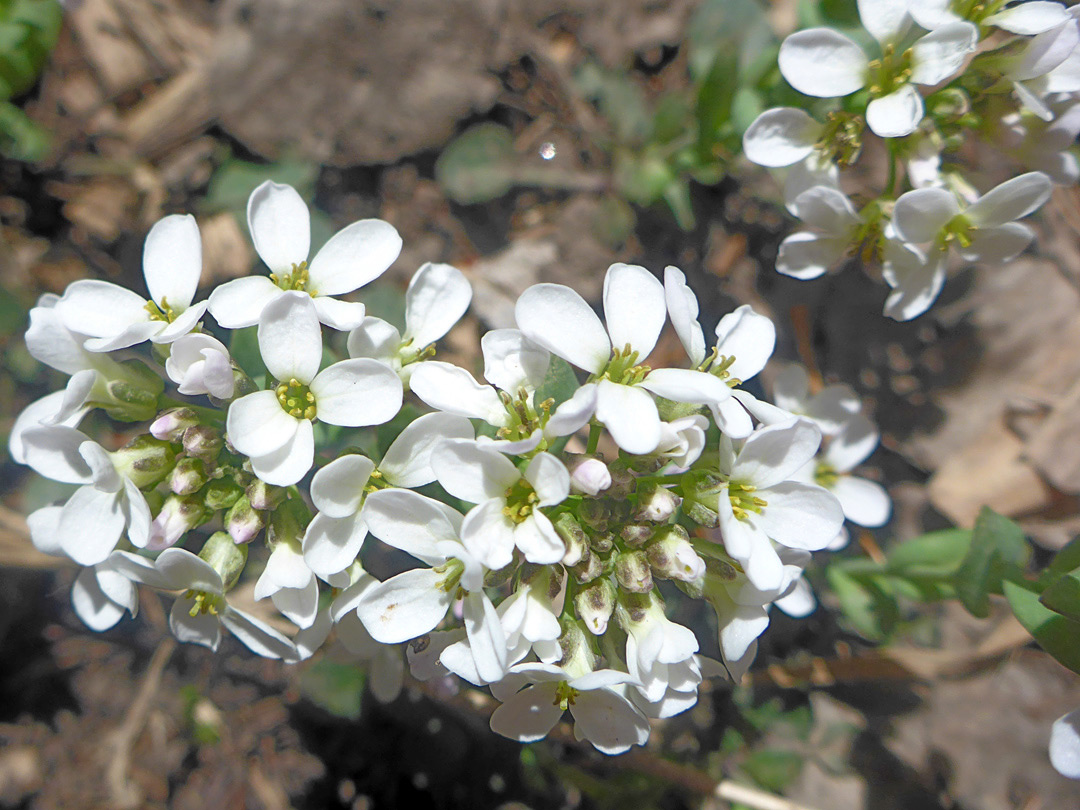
(979, 403)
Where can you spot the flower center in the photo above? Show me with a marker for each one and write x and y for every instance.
(204, 603)
(295, 279)
(743, 500)
(565, 695)
(958, 229)
(893, 69)
(296, 399)
(622, 368)
(161, 313)
(841, 138)
(825, 475)
(521, 498)
(975, 10)
(718, 365)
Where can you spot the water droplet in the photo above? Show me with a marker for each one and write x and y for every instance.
(547, 150)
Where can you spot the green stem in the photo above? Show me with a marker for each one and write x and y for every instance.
(594, 439)
(890, 191)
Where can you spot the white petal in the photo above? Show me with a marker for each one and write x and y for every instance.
(809, 173)
(780, 137)
(886, 20)
(486, 637)
(864, 502)
(1045, 52)
(100, 308)
(827, 209)
(917, 282)
(931, 14)
(357, 393)
(897, 114)
(180, 570)
(920, 215)
(512, 361)
(240, 302)
(574, 413)
(682, 306)
(374, 338)
(90, 525)
(742, 629)
(998, 244)
(558, 319)
(308, 640)
(1030, 18)
(341, 315)
(287, 465)
(43, 524)
(299, 605)
(132, 335)
(280, 226)
(941, 53)
(290, 339)
(549, 478)
(202, 628)
(1013, 199)
(749, 337)
(1065, 745)
(799, 602)
(172, 260)
(538, 540)
(105, 476)
(852, 444)
(437, 297)
(489, 535)
(634, 307)
(806, 255)
(609, 721)
(630, 415)
(528, 715)
(54, 453)
(338, 488)
(92, 604)
(410, 522)
(452, 389)
(773, 453)
(355, 255)
(732, 418)
(182, 324)
(801, 516)
(822, 62)
(257, 635)
(331, 544)
(473, 472)
(136, 515)
(405, 606)
(257, 425)
(686, 385)
(407, 462)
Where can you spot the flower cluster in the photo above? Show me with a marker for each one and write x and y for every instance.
(552, 517)
(1005, 75)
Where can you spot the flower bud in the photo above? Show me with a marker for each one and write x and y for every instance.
(221, 493)
(632, 571)
(288, 522)
(188, 476)
(145, 461)
(571, 533)
(602, 543)
(225, 557)
(622, 483)
(635, 535)
(177, 517)
(243, 522)
(170, 425)
(594, 513)
(671, 555)
(656, 504)
(133, 396)
(264, 496)
(203, 442)
(577, 654)
(588, 569)
(594, 605)
(590, 476)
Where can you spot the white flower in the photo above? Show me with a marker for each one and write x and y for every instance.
(825, 63)
(602, 714)
(781, 136)
(1065, 745)
(562, 322)
(659, 652)
(101, 594)
(114, 317)
(274, 427)
(830, 408)
(1044, 146)
(200, 364)
(334, 536)
(1048, 63)
(507, 514)
(197, 615)
(834, 229)
(88, 527)
(290, 584)
(280, 228)
(864, 502)
(761, 504)
(437, 297)
(916, 277)
(1023, 18)
(385, 663)
(413, 603)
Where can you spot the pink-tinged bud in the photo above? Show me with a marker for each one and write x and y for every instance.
(145, 461)
(671, 556)
(203, 442)
(635, 535)
(594, 604)
(264, 496)
(243, 522)
(177, 517)
(588, 568)
(170, 426)
(590, 476)
(656, 504)
(188, 476)
(633, 573)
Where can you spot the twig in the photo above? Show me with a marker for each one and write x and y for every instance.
(752, 797)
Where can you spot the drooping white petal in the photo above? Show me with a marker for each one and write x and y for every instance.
(630, 415)
(941, 53)
(558, 319)
(52, 343)
(931, 14)
(356, 393)
(172, 260)
(374, 338)
(452, 389)
(92, 604)
(202, 628)
(774, 453)
(549, 477)
(806, 255)
(53, 452)
(257, 635)
(897, 114)
(331, 544)
(90, 525)
(338, 488)
(852, 445)
(634, 307)
(827, 209)
(538, 540)
(280, 226)
(998, 244)
(290, 339)
(132, 335)
(105, 476)
(916, 280)
(528, 715)
(471, 471)
(136, 515)
(1029, 18)
(239, 303)
(257, 425)
(780, 137)
(405, 606)
(822, 62)
(682, 307)
(742, 628)
(1045, 52)
(749, 337)
(489, 535)
(486, 636)
(437, 297)
(310, 639)
(806, 174)
(686, 385)
(299, 605)
(574, 413)
(799, 602)
(42, 524)
(1065, 745)
(512, 361)
(609, 721)
(407, 462)
(801, 516)
(182, 570)
(288, 464)
(864, 502)
(355, 255)
(410, 522)
(1013, 199)
(100, 308)
(920, 215)
(341, 315)
(886, 20)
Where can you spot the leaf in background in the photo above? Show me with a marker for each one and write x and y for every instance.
(336, 687)
(860, 602)
(244, 349)
(671, 119)
(773, 770)
(714, 99)
(619, 99)
(1055, 633)
(28, 33)
(677, 196)
(559, 383)
(385, 300)
(1063, 596)
(21, 138)
(234, 180)
(736, 27)
(479, 165)
(933, 554)
(997, 545)
(1068, 559)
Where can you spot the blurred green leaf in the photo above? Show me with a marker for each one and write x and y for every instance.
(671, 118)
(244, 349)
(1063, 596)
(677, 196)
(336, 687)
(385, 300)
(934, 554)
(479, 165)
(28, 33)
(643, 178)
(619, 99)
(1067, 559)
(724, 26)
(1055, 633)
(21, 138)
(235, 179)
(773, 770)
(997, 546)
(715, 96)
(862, 601)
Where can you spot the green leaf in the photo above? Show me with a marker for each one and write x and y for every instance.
(714, 100)
(773, 770)
(677, 196)
(671, 118)
(934, 554)
(336, 687)
(244, 349)
(28, 33)
(234, 180)
(1058, 635)
(860, 602)
(479, 165)
(997, 547)
(724, 26)
(619, 99)
(1066, 560)
(20, 137)
(1063, 596)
(559, 383)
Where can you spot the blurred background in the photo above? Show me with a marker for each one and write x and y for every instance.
(521, 143)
